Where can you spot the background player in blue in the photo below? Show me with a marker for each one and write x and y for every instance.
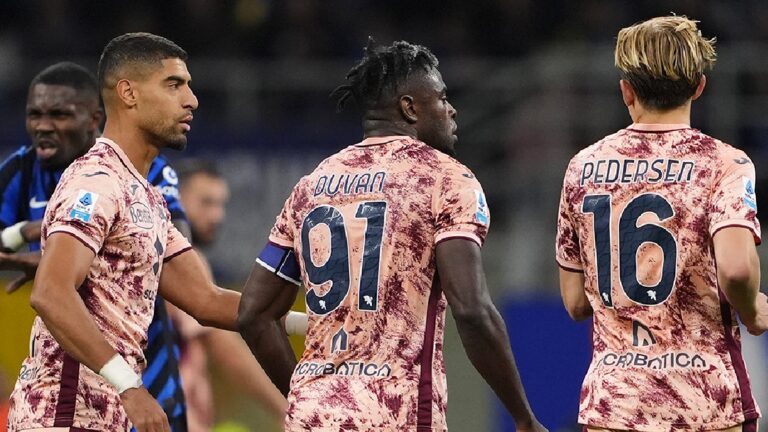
(63, 118)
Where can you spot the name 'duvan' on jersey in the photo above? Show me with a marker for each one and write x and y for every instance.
(350, 184)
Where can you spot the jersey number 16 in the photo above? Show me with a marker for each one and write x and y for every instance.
(631, 238)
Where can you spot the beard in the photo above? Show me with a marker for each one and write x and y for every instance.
(166, 137)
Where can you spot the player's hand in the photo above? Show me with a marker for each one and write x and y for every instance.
(26, 262)
(759, 324)
(532, 426)
(144, 411)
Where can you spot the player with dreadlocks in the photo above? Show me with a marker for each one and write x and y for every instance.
(383, 235)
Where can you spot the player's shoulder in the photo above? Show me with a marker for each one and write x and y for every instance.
(728, 154)
(97, 170)
(100, 159)
(16, 161)
(434, 162)
(23, 153)
(603, 145)
(717, 154)
(455, 172)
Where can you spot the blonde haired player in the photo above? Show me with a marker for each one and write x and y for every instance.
(656, 238)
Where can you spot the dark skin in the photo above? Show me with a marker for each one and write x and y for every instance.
(421, 110)
(62, 123)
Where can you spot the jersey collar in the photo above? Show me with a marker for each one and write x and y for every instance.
(123, 158)
(372, 141)
(657, 127)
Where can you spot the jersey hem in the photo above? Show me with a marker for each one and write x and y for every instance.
(336, 428)
(77, 234)
(283, 243)
(743, 223)
(175, 254)
(38, 428)
(450, 235)
(748, 416)
(569, 266)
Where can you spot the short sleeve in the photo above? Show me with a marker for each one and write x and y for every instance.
(282, 233)
(734, 201)
(83, 208)
(176, 243)
(567, 247)
(278, 256)
(461, 208)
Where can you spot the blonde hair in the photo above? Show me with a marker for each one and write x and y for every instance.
(664, 59)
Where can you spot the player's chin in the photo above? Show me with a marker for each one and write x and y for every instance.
(50, 161)
(177, 143)
(450, 147)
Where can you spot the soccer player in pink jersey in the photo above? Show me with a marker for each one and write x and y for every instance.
(383, 235)
(656, 240)
(108, 248)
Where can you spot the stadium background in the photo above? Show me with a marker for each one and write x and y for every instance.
(533, 83)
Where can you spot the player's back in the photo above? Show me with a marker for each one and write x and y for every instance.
(638, 213)
(364, 225)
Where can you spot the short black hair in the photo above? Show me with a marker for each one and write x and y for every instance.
(134, 49)
(187, 168)
(381, 71)
(68, 74)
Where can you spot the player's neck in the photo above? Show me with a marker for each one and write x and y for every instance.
(373, 127)
(680, 115)
(134, 144)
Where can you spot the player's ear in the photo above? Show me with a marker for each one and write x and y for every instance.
(407, 109)
(126, 91)
(700, 87)
(627, 93)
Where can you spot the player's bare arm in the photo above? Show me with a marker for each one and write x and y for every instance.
(54, 297)
(12, 238)
(25, 262)
(266, 299)
(228, 350)
(573, 294)
(738, 272)
(184, 283)
(481, 328)
(236, 362)
(31, 231)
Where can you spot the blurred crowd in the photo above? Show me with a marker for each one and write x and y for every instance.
(319, 29)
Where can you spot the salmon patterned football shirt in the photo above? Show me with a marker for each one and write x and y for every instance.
(638, 213)
(364, 226)
(103, 202)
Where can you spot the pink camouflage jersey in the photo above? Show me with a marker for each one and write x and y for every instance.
(103, 202)
(364, 226)
(637, 215)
